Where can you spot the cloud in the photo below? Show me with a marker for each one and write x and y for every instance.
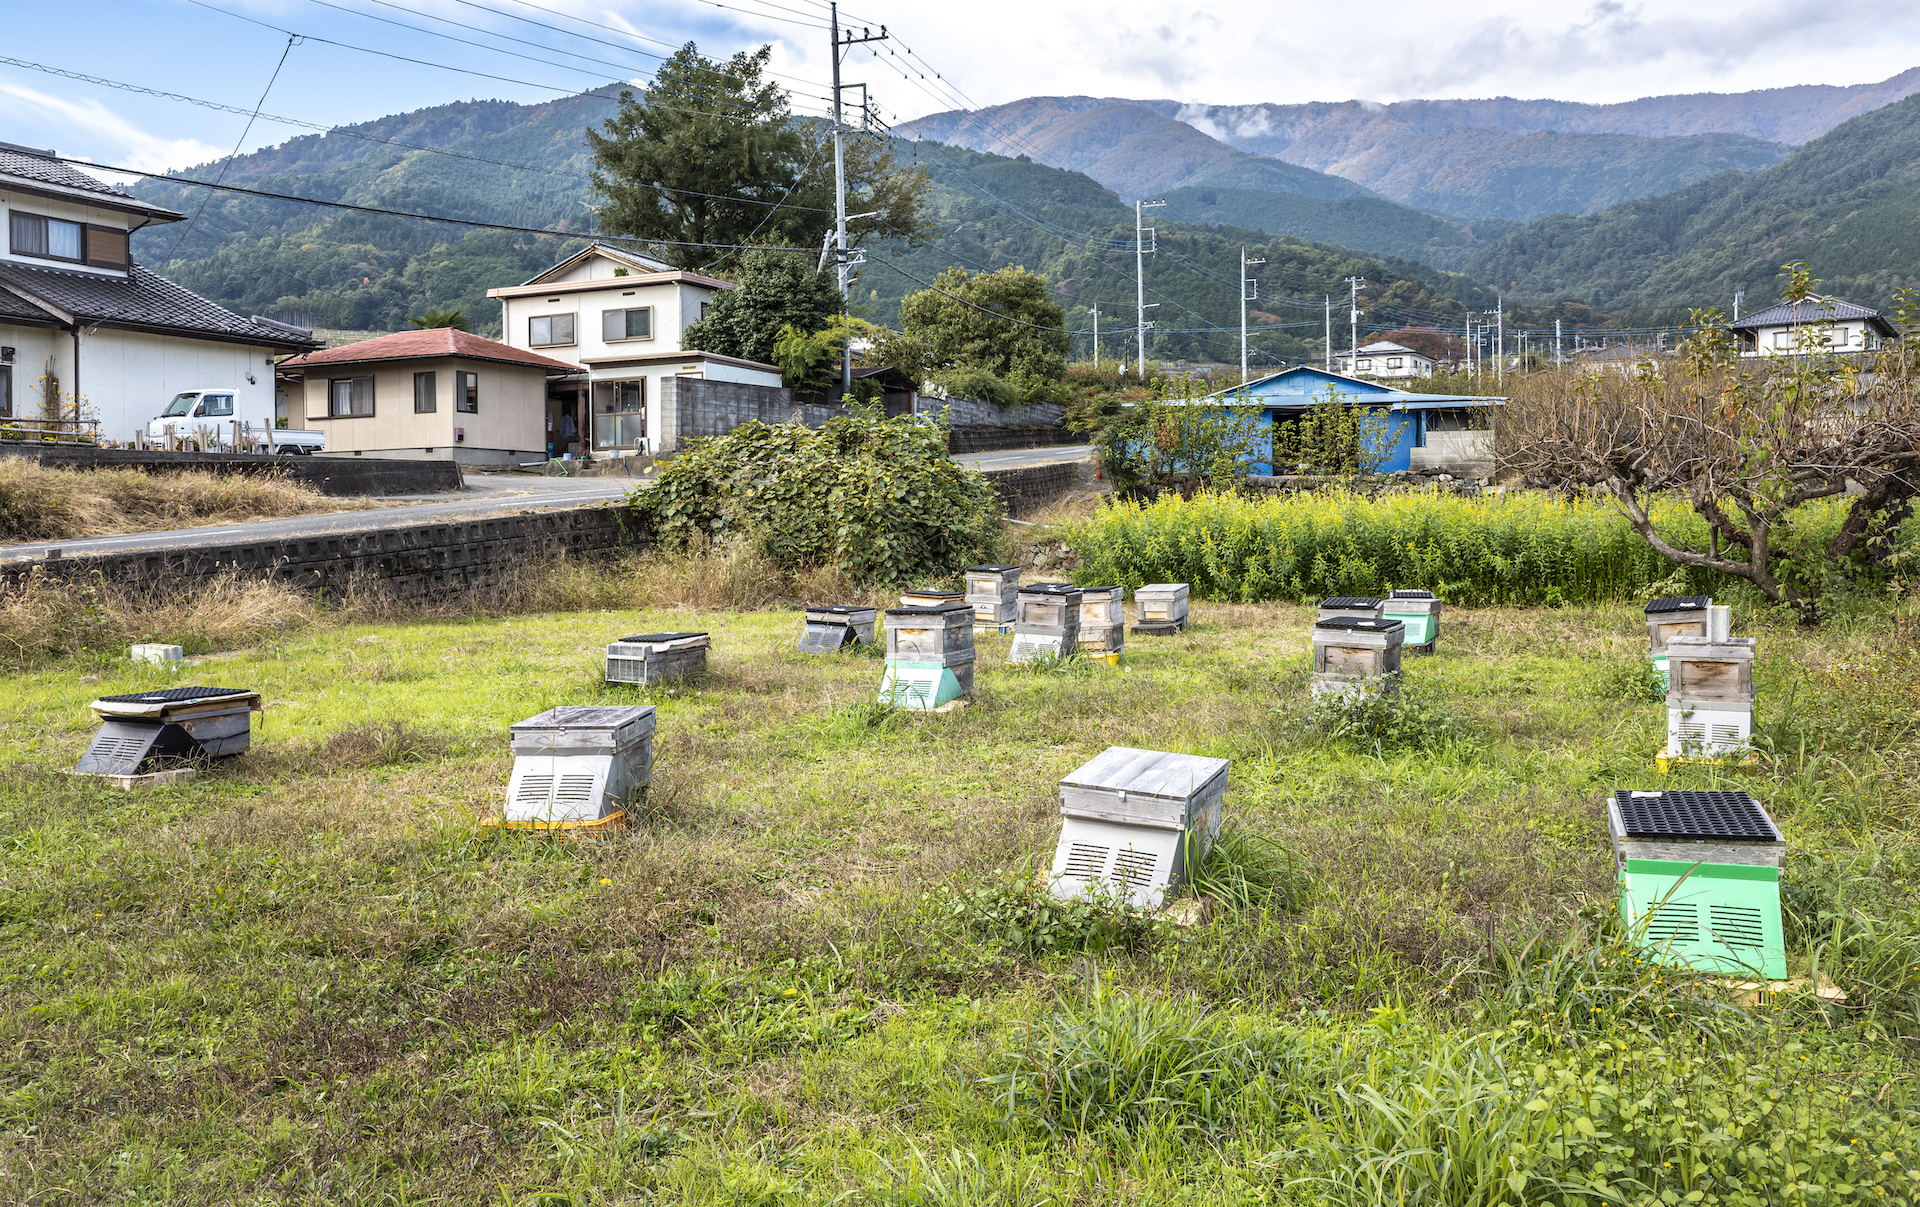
(100, 133)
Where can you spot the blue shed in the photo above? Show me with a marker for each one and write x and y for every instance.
(1437, 431)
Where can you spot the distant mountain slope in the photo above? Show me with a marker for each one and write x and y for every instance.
(1369, 224)
(1847, 203)
(1472, 158)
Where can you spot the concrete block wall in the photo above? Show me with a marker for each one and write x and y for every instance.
(328, 475)
(1027, 490)
(968, 412)
(989, 439)
(692, 407)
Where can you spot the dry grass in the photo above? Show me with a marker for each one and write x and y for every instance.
(39, 503)
(46, 618)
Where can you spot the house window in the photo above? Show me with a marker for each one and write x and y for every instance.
(466, 393)
(1396, 362)
(616, 325)
(349, 397)
(6, 391)
(426, 393)
(550, 330)
(46, 238)
(106, 247)
(1783, 339)
(1366, 364)
(619, 413)
(704, 307)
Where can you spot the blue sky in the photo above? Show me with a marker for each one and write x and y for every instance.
(983, 52)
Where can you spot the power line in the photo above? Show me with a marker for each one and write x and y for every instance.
(228, 161)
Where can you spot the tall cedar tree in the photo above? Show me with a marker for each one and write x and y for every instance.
(711, 156)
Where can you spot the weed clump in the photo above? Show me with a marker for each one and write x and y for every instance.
(1382, 722)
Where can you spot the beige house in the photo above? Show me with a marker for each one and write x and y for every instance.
(620, 317)
(435, 393)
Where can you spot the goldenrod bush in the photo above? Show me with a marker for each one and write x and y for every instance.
(1522, 548)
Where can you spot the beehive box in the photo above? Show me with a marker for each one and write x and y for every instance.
(1678, 616)
(1356, 606)
(156, 653)
(654, 658)
(1046, 622)
(1160, 609)
(1419, 611)
(927, 597)
(832, 627)
(929, 656)
(1103, 620)
(1700, 879)
(142, 731)
(1699, 669)
(1356, 654)
(991, 591)
(1136, 824)
(578, 764)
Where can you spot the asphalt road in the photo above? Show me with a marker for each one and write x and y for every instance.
(485, 495)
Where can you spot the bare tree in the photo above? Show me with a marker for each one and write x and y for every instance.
(1745, 442)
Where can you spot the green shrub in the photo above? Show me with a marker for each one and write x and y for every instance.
(1519, 548)
(878, 499)
(1378, 723)
(1013, 913)
(1630, 678)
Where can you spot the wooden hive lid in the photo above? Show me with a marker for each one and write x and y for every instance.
(164, 703)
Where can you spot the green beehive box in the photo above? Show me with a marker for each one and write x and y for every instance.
(1419, 612)
(1700, 880)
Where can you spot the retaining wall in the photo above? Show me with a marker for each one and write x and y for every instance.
(991, 439)
(1027, 490)
(326, 474)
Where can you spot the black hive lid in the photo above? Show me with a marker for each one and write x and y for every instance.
(1410, 595)
(1694, 815)
(173, 695)
(1050, 589)
(836, 609)
(650, 638)
(1680, 603)
(990, 569)
(1344, 601)
(1362, 624)
(941, 610)
(932, 591)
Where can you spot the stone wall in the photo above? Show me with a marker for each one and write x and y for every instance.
(990, 439)
(1026, 490)
(409, 561)
(328, 475)
(968, 412)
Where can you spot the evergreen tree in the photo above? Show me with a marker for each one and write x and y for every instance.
(772, 290)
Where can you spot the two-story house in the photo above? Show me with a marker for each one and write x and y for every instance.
(79, 319)
(1818, 324)
(620, 316)
(1384, 358)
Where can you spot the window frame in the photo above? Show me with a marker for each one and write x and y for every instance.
(466, 392)
(626, 324)
(333, 386)
(573, 329)
(595, 414)
(1396, 362)
(6, 391)
(16, 218)
(431, 379)
(201, 411)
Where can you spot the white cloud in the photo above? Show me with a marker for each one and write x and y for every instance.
(99, 133)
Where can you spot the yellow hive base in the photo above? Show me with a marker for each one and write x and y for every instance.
(601, 827)
(1667, 762)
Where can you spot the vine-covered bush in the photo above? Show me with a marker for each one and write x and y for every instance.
(877, 498)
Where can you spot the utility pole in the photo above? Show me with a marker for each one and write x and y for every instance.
(1353, 324)
(1096, 335)
(1249, 291)
(1739, 296)
(1329, 300)
(839, 46)
(1469, 338)
(1140, 234)
(1556, 343)
(1499, 340)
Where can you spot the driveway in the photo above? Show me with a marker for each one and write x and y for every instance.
(485, 495)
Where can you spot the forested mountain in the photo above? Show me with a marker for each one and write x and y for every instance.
(1471, 159)
(1847, 203)
(525, 165)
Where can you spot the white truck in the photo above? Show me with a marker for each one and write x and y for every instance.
(205, 421)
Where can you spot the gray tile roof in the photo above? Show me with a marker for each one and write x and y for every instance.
(41, 170)
(19, 310)
(1812, 310)
(142, 301)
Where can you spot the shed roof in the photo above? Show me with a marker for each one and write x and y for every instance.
(432, 343)
(1304, 385)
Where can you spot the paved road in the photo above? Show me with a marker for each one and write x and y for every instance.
(485, 495)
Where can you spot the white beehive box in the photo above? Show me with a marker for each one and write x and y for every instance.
(1356, 654)
(579, 763)
(1709, 694)
(1103, 620)
(991, 591)
(927, 597)
(1345, 605)
(1046, 622)
(653, 658)
(834, 626)
(1160, 608)
(159, 655)
(1136, 824)
(140, 733)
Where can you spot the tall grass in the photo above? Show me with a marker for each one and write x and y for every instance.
(1517, 548)
(42, 503)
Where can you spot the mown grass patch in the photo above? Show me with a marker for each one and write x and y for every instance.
(819, 971)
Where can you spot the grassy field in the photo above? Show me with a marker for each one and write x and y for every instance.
(816, 970)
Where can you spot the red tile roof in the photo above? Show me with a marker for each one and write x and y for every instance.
(434, 342)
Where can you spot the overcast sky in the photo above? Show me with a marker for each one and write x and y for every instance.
(985, 51)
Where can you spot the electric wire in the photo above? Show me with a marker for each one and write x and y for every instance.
(228, 161)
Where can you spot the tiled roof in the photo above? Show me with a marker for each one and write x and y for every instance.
(141, 301)
(20, 310)
(434, 342)
(40, 169)
(1386, 346)
(1812, 310)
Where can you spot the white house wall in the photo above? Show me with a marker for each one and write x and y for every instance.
(127, 377)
